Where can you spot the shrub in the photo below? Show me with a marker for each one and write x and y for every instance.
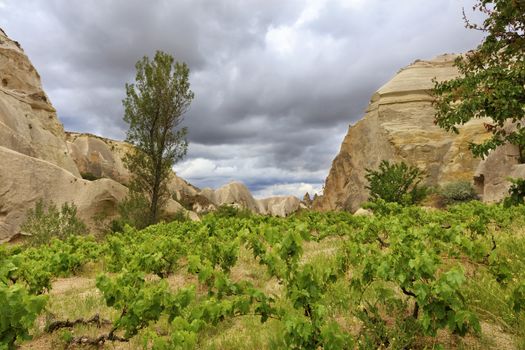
(459, 191)
(396, 182)
(89, 176)
(230, 211)
(47, 221)
(133, 211)
(516, 193)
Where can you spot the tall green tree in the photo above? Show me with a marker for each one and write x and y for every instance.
(154, 107)
(492, 81)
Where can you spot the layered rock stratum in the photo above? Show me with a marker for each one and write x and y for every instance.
(398, 125)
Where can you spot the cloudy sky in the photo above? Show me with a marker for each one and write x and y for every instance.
(276, 82)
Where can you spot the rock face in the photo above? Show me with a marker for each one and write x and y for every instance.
(398, 126)
(36, 163)
(280, 206)
(99, 157)
(28, 179)
(491, 175)
(28, 122)
(233, 193)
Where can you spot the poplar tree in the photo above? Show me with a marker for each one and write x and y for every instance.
(154, 107)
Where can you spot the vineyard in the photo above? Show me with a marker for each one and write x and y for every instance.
(402, 278)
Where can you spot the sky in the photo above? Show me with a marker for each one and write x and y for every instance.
(277, 82)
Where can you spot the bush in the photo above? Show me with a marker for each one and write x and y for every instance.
(516, 193)
(89, 176)
(133, 211)
(47, 221)
(396, 182)
(459, 191)
(230, 211)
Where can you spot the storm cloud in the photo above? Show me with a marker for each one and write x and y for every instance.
(277, 83)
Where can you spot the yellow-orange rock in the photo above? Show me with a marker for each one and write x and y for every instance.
(399, 126)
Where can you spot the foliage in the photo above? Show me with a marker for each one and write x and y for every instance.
(492, 81)
(47, 221)
(395, 182)
(459, 191)
(516, 193)
(89, 176)
(133, 211)
(18, 311)
(400, 276)
(153, 108)
(230, 211)
(26, 273)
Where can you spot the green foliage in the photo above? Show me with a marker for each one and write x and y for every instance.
(153, 108)
(133, 211)
(400, 276)
(516, 193)
(459, 191)
(47, 221)
(492, 81)
(18, 311)
(89, 176)
(395, 182)
(230, 211)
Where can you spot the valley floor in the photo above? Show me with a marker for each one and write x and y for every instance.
(403, 278)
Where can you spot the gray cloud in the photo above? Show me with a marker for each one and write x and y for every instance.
(276, 82)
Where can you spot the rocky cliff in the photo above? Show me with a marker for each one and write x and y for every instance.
(35, 159)
(28, 122)
(399, 126)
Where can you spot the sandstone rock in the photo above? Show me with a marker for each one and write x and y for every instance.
(98, 157)
(233, 193)
(28, 121)
(280, 206)
(28, 179)
(103, 158)
(491, 176)
(399, 126)
(363, 212)
(307, 200)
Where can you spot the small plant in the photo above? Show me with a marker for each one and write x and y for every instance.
(89, 176)
(396, 182)
(47, 221)
(230, 211)
(133, 211)
(516, 193)
(459, 191)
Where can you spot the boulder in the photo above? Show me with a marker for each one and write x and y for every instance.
(399, 126)
(280, 206)
(363, 212)
(233, 193)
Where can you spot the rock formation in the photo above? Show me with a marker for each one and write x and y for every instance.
(280, 206)
(27, 179)
(35, 160)
(399, 126)
(98, 157)
(28, 121)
